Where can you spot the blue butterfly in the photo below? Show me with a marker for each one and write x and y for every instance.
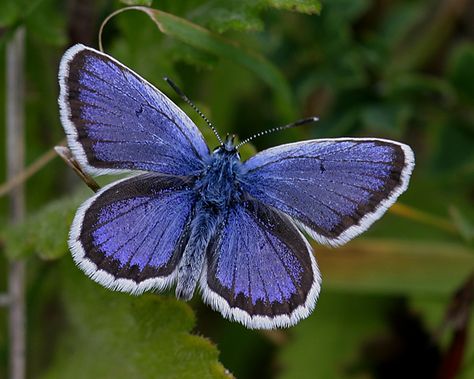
(195, 218)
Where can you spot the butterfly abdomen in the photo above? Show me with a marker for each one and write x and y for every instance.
(203, 229)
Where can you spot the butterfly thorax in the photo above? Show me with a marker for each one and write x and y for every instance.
(218, 186)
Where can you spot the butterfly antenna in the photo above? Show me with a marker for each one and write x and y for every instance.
(190, 103)
(295, 124)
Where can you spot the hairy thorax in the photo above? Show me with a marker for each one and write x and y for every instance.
(218, 186)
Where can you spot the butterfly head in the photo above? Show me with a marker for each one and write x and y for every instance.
(228, 146)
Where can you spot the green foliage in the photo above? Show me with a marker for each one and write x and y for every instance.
(460, 68)
(111, 335)
(303, 6)
(328, 343)
(41, 17)
(376, 266)
(245, 15)
(147, 3)
(203, 40)
(43, 233)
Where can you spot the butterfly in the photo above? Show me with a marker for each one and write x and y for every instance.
(194, 218)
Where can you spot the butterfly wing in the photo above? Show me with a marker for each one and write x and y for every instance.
(116, 121)
(260, 270)
(334, 188)
(131, 235)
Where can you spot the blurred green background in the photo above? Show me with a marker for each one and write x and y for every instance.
(402, 70)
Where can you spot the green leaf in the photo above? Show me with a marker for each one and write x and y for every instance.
(417, 87)
(325, 344)
(396, 266)
(44, 233)
(9, 11)
(447, 133)
(245, 15)
(384, 117)
(224, 15)
(47, 24)
(465, 227)
(201, 38)
(14, 14)
(116, 335)
(146, 3)
(302, 6)
(460, 68)
(421, 42)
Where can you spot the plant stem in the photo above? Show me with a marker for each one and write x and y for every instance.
(24, 175)
(15, 163)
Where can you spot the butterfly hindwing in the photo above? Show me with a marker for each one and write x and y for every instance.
(334, 188)
(131, 235)
(260, 270)
(116, 121)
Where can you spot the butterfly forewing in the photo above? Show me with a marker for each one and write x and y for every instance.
(130, 236)
(117, 121)
(334, 188)
(260, 270)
